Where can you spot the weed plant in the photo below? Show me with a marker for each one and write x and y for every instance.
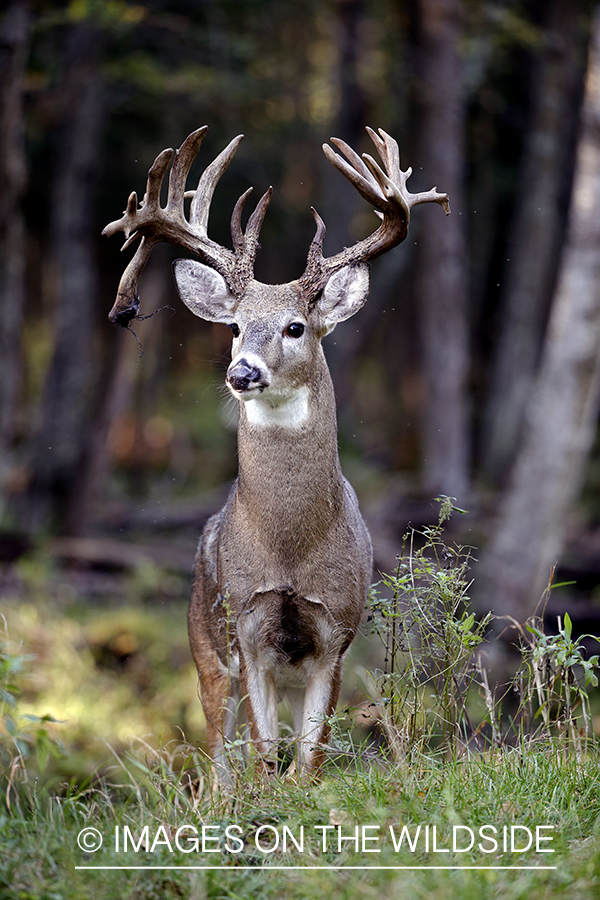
(433, 667)
(431, 637)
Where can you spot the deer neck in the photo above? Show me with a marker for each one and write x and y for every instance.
(290, 482)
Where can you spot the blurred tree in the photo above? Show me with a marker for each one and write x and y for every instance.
(65, 407)
(538, 227)
(441, 282)
(14, 45)
(563, 407)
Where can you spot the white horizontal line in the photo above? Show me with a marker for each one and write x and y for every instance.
(268, 868)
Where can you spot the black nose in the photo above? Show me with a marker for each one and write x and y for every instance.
(243, 375)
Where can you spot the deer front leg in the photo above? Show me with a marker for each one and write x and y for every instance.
(219, 690)
(320, 700)
(259, 695)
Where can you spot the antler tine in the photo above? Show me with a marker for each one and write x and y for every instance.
(387, 147)
(184, 157)
(156, 174)
(201, 201)
(386, 189)
(256, 220)
(314, 262)
(351, 155)
(317, 241)
(362, 179)
(246, 244)
(237, 234)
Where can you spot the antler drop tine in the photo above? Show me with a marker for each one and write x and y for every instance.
(127, 304)
(208, 181)
(237, 235)
(184, 157)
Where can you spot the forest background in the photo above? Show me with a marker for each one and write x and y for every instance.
(473, 370)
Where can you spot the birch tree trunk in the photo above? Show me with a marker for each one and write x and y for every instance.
(563, 410)
(441, 277)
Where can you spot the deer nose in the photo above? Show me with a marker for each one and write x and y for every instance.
(243, 375)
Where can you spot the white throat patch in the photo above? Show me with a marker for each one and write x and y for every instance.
(283, 411)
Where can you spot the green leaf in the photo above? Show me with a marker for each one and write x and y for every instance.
(11, 726)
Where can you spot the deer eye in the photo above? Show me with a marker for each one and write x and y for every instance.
(235, 329)
(295, 330)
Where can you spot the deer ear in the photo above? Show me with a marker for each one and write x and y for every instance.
(204, 291)
(344, 294)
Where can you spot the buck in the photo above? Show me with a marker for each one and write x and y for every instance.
(282, 571)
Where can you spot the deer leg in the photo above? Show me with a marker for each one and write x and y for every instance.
(219, 690)
(259, 695)
(220, 699)
(320, 699)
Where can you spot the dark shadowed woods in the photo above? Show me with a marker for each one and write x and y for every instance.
(471, 372)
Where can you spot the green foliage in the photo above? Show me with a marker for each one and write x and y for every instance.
(430, 636)
(559, 672)
(22, 734)
(432, 664)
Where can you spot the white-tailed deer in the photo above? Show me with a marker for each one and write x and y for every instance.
(283, 570)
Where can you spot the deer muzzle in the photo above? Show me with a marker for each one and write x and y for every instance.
(243, 376)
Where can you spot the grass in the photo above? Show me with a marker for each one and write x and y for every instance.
(77, 680)
(501, 789)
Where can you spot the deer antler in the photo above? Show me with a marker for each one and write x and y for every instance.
(154, 223)
(385, 190)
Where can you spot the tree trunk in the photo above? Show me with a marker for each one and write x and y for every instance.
(14, 34)
(563, 409)
(340, 202)
(441, 276)
(123, 370)
(538, 228)
(65, 406)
